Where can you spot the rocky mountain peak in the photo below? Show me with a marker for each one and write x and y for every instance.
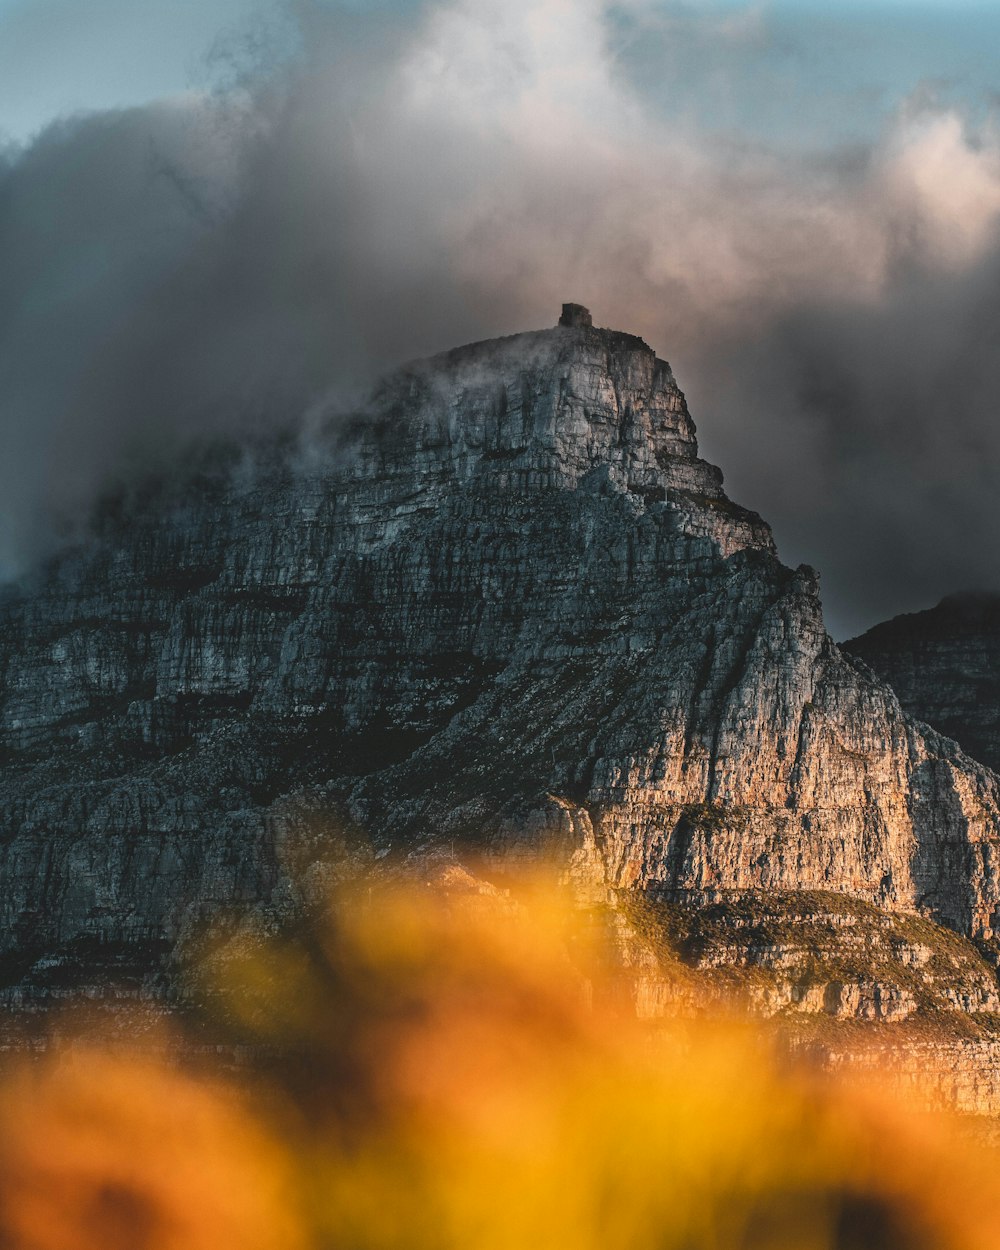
(575, 315)
(507, 606)
(571, 407)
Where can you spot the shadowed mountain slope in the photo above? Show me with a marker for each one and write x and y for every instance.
(945, 666)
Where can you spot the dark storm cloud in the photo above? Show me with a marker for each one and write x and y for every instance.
(415, 180)
(869, 437)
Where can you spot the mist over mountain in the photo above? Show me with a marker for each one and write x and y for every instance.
(368, 185)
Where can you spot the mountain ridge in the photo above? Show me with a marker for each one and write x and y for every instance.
(943, 664)
(510, 608)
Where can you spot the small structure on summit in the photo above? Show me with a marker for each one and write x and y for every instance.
(576, 315)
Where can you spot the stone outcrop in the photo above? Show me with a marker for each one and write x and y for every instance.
(802, 955)
(944, 664)
(508, 604)
(847, 986)
(576, 316)
(942, 1074)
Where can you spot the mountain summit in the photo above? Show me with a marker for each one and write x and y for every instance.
(507, 604)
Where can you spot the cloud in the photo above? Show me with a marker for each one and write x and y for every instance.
(419, 178)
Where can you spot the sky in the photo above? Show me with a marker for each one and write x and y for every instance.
(219, 214)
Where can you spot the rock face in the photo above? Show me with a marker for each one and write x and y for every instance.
(508, 605)
(953, 1074)
(945, 666)
(804, 955)
(576, 315)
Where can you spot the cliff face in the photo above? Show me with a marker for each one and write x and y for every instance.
(944, 664)
(806, 957)
(509, 605)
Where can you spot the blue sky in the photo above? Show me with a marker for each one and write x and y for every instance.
(66, 56)
(800, 72)
(805, 73)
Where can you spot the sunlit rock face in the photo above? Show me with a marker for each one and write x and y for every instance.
(508, 604)
(945, 666)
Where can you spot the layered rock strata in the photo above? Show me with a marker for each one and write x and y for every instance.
(803, 956)
(507, 604)
(944, 664)
(941, 1074)
(847, 986)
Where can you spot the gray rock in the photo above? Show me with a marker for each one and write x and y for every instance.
(508, 605)
(944, 665)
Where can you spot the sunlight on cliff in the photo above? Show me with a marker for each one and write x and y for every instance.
(446, 1067)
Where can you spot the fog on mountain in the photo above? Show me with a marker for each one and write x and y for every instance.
(238, 257)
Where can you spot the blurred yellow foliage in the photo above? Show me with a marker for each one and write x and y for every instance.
(119, 1151)
(441, 1068)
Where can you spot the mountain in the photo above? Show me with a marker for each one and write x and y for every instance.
(505, 606)
(944, 664)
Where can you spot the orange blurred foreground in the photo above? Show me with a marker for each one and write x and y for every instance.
(458, 1072)
(123, 1152)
